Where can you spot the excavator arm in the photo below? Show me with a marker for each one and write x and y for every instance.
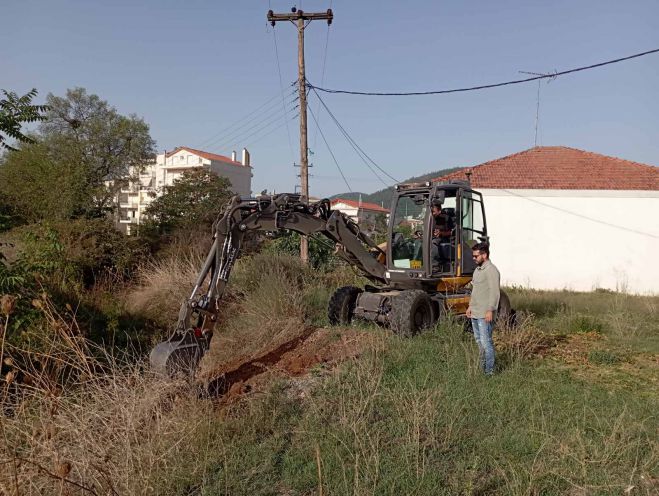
(183, 350)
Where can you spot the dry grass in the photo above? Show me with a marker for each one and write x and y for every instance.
(83, 422)
(524, 341)
(414, 416)
(162, 286)
(269, 312)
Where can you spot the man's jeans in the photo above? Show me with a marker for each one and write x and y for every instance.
(483, 337)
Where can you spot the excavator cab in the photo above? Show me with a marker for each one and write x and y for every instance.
(431, 231)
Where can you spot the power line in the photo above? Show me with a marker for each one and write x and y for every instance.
(322, 77)
(330, 150)
(358, 153)
(353, 142)
(241, 130)
(252, 123)
(232, 126)
(485, 86)
(281, 85)
(263, 125)
(581, 216)
(285, 123)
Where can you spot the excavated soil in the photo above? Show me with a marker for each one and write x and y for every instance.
(312, 347)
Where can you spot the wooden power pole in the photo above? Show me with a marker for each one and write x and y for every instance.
(302, 19)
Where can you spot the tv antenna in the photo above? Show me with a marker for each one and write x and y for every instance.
(537, 106)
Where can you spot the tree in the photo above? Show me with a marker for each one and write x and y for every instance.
(194, 199)
(321, 250)
(83, 146)
(36, 186)
(83, 128)
(379, 234)
(14, 111)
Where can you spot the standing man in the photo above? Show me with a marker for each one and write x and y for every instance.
(483, 304)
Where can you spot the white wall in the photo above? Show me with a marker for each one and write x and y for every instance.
(579, 240)
(239, 176)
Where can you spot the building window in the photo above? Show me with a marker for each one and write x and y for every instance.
(200, 159)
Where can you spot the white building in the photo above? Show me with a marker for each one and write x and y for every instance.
(562, 218)
(363, 213)
(168, 167)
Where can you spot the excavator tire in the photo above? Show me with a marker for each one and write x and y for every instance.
(505, 312)
(411, 312)
(341, 306)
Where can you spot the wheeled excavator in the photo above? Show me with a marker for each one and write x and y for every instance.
(417, 276)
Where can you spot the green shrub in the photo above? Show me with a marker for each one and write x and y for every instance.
(74, 254)
(604, 357)
(538, 303)
(581, 323)
(321, 250)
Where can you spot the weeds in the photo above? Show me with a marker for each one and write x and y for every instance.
(584, 323)
(409, 416)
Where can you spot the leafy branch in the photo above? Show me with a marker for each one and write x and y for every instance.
(14, 112)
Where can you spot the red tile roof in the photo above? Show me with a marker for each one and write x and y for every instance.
(364, 205)
(206, 155)
(560, 167)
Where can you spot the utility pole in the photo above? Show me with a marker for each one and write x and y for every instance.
(302, 19)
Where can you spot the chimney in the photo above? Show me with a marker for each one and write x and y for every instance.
(245, 157)
(233, 155)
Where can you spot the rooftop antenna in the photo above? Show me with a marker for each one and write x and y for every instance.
(550, 78)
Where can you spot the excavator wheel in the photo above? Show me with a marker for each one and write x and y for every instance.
(506, 316)
(411, 312)
(341, 306)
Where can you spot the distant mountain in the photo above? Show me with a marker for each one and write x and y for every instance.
(383, 196)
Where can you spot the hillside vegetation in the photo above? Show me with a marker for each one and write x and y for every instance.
(383, 197)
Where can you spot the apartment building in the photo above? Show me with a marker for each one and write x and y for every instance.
(151, 182)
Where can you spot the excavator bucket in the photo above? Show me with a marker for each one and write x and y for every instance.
(179, 355)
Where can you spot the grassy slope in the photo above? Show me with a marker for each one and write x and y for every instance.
(416, 417)
(572, 410)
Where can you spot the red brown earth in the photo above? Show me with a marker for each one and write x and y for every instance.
(313, 347)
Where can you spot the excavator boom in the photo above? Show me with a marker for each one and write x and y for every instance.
(183, 350)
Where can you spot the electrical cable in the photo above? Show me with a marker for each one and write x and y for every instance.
(322, 77)
(330, 150)
(576, 214)
(234, 137)
(485, 86)
(256, 140)
(264, 126)
(281, 85)
(206, 142)
(348, 139)
(353, 142)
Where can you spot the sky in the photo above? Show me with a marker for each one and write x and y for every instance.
(206, 74)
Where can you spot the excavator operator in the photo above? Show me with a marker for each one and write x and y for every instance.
(441, 237)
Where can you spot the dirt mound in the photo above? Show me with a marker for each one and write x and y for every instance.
(313, 347)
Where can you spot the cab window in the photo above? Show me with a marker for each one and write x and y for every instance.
(473, 223)
(408, 231)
